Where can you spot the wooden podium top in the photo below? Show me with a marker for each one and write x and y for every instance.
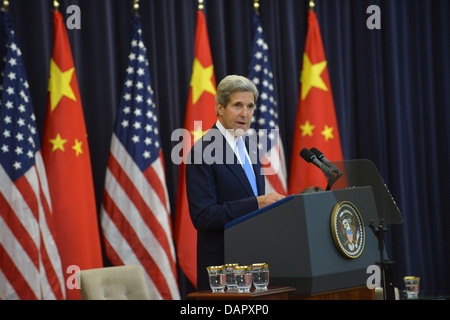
(272, 293)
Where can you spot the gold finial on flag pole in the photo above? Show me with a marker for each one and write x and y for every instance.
(256, 5)
(311, 4)
(5, 5)
(55, 5)
(136, 6)
(200, 5)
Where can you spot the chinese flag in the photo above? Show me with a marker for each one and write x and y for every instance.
(316, 124)
(200, 116)
(68, 165)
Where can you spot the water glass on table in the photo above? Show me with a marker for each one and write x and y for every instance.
(412, 287)
(260, 275)
(217, 280)
(243, 275)
(230, 277)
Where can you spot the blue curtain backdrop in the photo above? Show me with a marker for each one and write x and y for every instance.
(391, 89)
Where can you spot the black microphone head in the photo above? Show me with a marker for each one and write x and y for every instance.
(307, 155)
(316, 151)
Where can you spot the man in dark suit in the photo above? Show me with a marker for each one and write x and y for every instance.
(220, 186)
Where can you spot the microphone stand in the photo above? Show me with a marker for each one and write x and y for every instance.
(333, 176)
(385, 264)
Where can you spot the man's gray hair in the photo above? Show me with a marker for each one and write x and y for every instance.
(233, 83)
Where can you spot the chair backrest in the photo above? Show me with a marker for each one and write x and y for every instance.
(113, 283)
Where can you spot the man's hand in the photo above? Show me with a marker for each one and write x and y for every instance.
(268, 199)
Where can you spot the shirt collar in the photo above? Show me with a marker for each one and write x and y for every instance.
(229, 136)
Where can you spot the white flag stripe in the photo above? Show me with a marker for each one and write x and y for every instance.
(159, 169)
(43, 178)
(6, 290)
(283, 172)
(46, 289)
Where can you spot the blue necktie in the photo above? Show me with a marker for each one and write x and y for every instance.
(247, 166)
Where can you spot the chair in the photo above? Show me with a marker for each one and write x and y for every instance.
(379, 293)
(113, 283)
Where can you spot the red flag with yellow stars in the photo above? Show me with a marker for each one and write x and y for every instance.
(68, 165)
(316, 124)
(200, 116)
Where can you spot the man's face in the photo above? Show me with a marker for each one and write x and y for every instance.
(238, 113)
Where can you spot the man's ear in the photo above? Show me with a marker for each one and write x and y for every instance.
(219, 109)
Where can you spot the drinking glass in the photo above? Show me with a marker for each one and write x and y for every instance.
(260, 274)
(243, 275)
(230, 278)
(412, 287)
(216, 276)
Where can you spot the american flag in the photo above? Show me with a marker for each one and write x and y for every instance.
(265, 118)
(30, 265)
(135, 215)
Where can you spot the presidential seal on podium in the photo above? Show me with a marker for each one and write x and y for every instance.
(347, 228)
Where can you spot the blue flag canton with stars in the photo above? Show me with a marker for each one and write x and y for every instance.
(19, 139)
(266, 115)
(137, 123)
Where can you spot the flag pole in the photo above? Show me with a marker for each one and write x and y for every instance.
(311, 5)
(256, 5)
(55, 5)
(200, 5)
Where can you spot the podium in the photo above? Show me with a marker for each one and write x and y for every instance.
(295, 236)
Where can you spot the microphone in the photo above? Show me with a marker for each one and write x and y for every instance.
(311, 158)
(324, 160)
(329, 169)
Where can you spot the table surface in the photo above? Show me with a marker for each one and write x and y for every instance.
(253, 294)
